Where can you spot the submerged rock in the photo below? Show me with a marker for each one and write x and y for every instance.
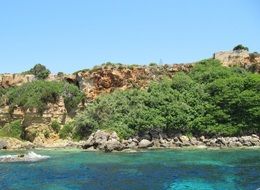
(30, 157)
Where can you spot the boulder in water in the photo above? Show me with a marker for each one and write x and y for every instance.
(29, 157)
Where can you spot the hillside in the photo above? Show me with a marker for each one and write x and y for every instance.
(203, 98)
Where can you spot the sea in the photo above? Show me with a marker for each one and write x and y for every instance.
(68, 169)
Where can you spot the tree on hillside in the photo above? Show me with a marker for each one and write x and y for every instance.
(240, 47)
(40, 71)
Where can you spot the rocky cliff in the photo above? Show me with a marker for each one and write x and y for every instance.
(107, 78)
(110, 77)
(103, 79)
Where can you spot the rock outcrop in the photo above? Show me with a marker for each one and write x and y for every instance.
(13, 143)
(144, 143)
(54, 111)
(38, 134)
(241, 58)
(11, 80)
(105, 141)
(107, 78)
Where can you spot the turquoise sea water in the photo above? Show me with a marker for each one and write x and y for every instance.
(162, 169)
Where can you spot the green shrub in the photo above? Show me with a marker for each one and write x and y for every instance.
(67, 130)
(38, 94)
(240, 47)
(2, 93)
(83, 70)
(72, 96)
(55, 126)
(13, 129)
(46, 134)
(60, 74)
(152, 64)
(39, 71)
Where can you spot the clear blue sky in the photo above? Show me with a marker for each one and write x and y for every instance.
(68, 35)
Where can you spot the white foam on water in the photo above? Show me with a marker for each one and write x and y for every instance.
(29, 157)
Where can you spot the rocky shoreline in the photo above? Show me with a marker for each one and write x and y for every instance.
(110, 142)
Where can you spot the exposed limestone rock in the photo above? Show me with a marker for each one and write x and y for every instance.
(241, 58)
(255, 136)
(60, 143)
(38, 133)
(108, 78)
(112, 145)
(234, 144)
(144, 143)
(55, 111)
(13, 143)
(3, 144)
(11, 80)
(100, 138)
(202, 138)
(103, 140)
(194, 141)
(132, 145)
(184, 139)
(109, 141)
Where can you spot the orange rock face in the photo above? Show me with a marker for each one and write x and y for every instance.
(107, 79)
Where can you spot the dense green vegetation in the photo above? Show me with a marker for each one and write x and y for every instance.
(68, 131)
(211, 100)
(2, 92)
(55, 125)
(13, 129)
(240, 47)
(38, 94)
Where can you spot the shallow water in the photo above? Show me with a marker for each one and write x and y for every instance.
(164, 169)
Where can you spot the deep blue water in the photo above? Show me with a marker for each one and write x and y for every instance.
(164, 169)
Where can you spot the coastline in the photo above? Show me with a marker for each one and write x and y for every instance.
(76, 149)
(109, 142)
